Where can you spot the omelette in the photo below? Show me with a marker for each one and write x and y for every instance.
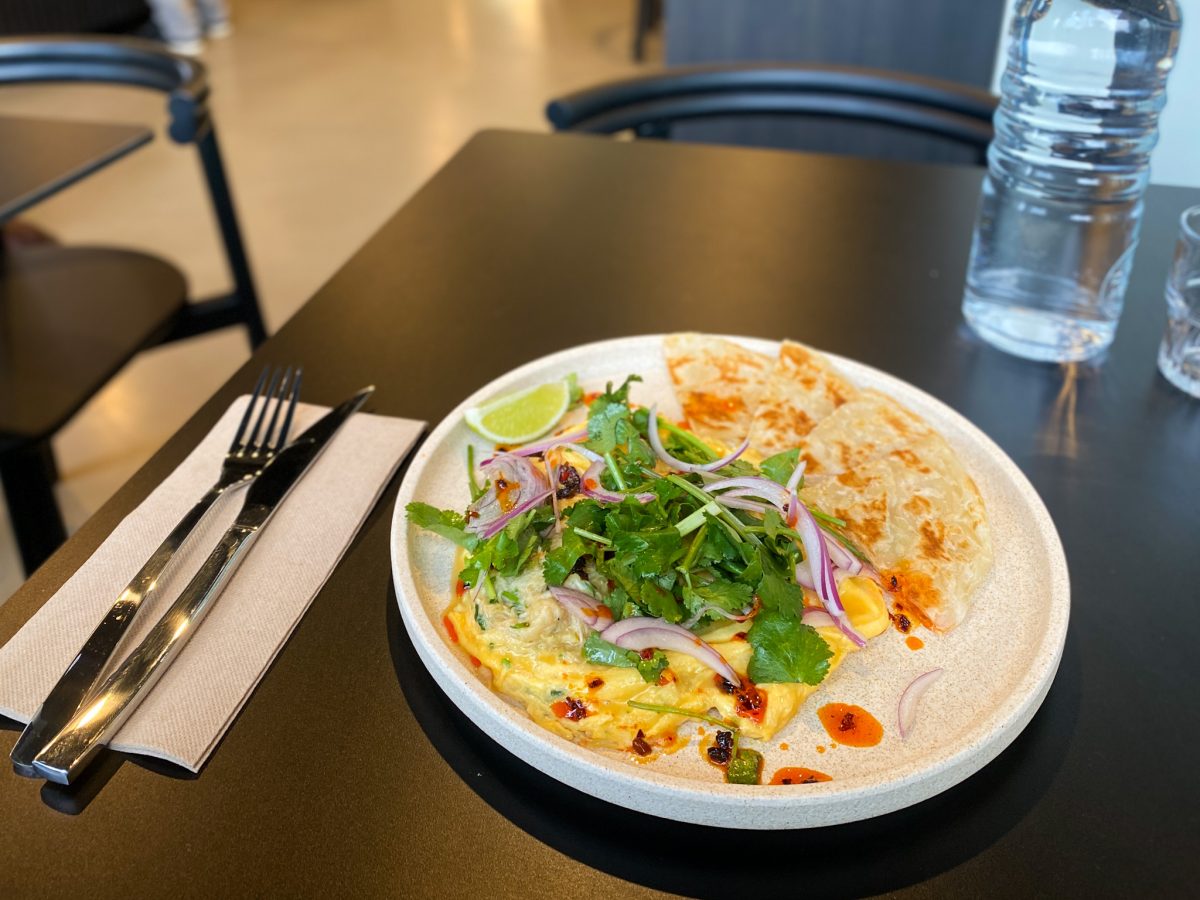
(529, 649)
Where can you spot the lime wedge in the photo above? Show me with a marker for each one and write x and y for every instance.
(521, 417)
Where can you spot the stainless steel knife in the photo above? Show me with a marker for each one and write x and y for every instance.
(104, 711)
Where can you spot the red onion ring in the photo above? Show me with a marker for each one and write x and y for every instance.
(723, 613)
(771, 491)
(646, 633)
(804, 576)
(571, 437)
(530, 488)
(738, 503)
(593, 488)
(793, 481)
(841, 557)
(588, 610)
(817, 558)
(906, 709)
(679, 465)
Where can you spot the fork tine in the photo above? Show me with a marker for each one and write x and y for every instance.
(237, 438)
(253, 442)
(281, 442)
(280, 399)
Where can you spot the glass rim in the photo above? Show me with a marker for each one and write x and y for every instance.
(1189, 224)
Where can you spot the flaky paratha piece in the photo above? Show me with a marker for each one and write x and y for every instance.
(802, 390)
(869, 425)
(918, 515)
(719, 384)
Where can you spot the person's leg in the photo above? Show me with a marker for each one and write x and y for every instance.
(179, 24)
(215, 16)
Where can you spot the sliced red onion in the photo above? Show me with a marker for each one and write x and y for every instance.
(593, 488)
(646, 633)
(906, 709)
(678, 464)
(497, 526)
(804, 576)
(553, 493)
(723, 613)
(587, 609)
(738, 503)
(818, 618)
(817, 559)
(529, 489)
(771, 491)
(841, 557)
(793, 481)
(541, 446)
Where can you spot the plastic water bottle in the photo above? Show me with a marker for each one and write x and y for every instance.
(1062, 202)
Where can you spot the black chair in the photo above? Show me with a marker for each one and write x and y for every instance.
(71, 317)
(649, 106)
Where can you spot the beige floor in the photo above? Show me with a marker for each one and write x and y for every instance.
(331, 115)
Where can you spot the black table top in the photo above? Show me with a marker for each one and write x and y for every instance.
(40, 157)
(348, 771)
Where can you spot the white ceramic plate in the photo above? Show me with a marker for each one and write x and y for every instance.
(998, 664)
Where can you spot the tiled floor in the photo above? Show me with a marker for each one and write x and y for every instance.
(331, 114)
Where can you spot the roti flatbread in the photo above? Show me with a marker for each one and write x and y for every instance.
(718, 383)
(871, 424)
(916, 512)
(803, 388)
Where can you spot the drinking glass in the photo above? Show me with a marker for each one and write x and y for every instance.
(1179, 355)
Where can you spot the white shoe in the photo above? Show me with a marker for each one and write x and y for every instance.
(186, 48)
(218, 30)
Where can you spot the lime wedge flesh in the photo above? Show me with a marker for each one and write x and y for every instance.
(519, 418)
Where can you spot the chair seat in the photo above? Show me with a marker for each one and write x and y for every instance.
(70, 318)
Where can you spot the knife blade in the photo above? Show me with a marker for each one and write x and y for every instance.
(102, 713)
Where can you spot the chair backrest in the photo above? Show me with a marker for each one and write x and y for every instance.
(141, 63)
(649, 105)
(124, 61)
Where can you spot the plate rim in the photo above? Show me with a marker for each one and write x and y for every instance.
(642, 789)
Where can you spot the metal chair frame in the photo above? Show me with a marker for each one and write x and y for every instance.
(27, 466)
(649, 105)
(138, 63)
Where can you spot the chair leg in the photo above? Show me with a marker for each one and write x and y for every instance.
(231, 236)
(29, 489)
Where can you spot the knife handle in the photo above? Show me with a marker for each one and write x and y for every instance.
(84, 671)
(104, 712)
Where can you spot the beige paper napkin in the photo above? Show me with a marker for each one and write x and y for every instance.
(187, 712)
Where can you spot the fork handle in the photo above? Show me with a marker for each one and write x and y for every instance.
(106, 710)
(85, 670)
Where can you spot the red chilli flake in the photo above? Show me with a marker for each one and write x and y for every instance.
(640, 745)
(475, 661)
(450, 629)
(570, 708)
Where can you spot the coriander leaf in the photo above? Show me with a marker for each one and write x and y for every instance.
(777, 589)
(786, 651)
(728, 595)
(561, 560)
(660, 602)
(649, 553)
(779, 467)
(597, 650)
(650, 669)
(444, 522)
(606, 413)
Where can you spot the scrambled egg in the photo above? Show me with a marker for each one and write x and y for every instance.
(531, 649)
